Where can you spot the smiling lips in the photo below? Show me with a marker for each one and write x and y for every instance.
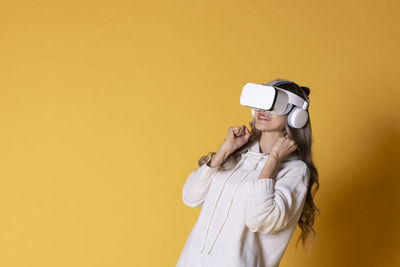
(264, 117)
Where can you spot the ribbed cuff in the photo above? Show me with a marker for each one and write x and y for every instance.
(260, 185)
(205, 169)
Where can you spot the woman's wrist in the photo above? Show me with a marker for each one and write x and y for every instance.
(219, 157)
(270, 166)
(274, 156)
(226, 148)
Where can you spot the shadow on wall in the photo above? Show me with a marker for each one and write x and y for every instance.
(362, 217)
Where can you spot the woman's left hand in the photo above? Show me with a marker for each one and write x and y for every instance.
(283, 147)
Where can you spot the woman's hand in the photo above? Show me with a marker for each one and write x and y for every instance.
(283, 147)
(236, 137)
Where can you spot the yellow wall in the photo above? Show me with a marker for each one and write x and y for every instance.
(106, 106)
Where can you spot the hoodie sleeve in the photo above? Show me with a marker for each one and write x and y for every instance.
(197, 185)
(271, 204)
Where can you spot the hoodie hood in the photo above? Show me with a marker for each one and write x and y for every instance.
(255, 151)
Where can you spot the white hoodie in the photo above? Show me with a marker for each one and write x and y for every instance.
(244, 221)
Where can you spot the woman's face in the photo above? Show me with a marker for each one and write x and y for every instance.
(275, 122)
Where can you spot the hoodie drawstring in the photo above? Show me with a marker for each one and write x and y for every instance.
(216, 202)
(230, 204)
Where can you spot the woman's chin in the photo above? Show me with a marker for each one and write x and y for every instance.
(262, 128)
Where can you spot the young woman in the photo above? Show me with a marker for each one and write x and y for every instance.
(253, 192)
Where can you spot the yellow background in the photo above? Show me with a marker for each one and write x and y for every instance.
(106, 106)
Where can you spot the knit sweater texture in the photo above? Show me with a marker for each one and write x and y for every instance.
(245, 221)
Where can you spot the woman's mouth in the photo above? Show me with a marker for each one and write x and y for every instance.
(263, 118)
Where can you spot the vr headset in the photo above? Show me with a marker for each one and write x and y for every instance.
(276, 101)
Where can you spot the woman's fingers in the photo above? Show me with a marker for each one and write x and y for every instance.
(235, 130)
(240, 130)
(244, 130)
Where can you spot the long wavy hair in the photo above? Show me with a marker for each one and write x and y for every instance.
(303, 139)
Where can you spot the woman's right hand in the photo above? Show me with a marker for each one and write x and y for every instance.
(236, 137)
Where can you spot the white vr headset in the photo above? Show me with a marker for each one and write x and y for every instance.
(276, 101)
